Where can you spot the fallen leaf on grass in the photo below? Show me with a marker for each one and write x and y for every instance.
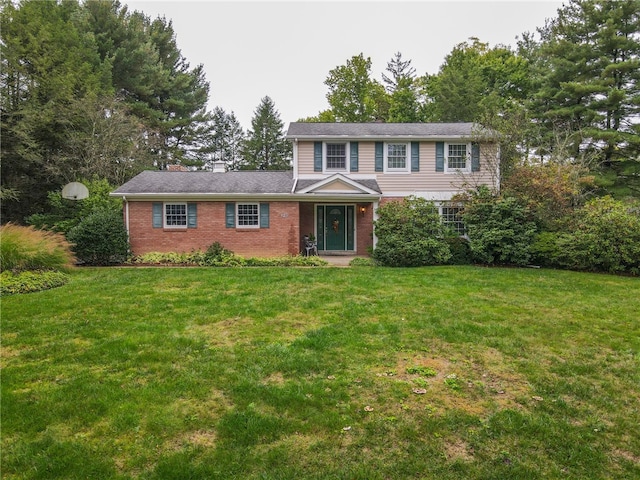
(420, 391)
(368, 409)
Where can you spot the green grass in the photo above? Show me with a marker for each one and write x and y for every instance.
(333, 373)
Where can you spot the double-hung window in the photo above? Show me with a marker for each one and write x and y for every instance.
(175, 215)
(452, 218)
(396, 157)
(248, 215)
(336, 156)
(457, 157)
(245, 215)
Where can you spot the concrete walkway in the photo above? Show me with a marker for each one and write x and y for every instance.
(338, 260)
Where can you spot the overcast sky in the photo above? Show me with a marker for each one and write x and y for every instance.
(286, 49)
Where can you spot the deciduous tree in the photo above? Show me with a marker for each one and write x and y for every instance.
(353, 95)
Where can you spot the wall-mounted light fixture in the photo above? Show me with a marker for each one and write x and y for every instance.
(363, 209)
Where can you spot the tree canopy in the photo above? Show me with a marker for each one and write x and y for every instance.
(90, 89)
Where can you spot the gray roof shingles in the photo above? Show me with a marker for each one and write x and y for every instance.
(243, 182)
(380, 130)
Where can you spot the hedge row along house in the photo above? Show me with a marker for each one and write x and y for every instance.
(341, 173)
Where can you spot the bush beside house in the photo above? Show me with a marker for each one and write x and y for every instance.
(410, 234)
(100, 238)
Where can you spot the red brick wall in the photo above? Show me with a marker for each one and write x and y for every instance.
(364, 226)
(281, 238)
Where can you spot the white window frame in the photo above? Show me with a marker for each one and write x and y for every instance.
(444, 220)
(467, 167)
(257, 214)
(407, 158)
(165, 214)
(347, 157)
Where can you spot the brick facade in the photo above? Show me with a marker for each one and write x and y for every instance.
(281, 238)
(288, 222)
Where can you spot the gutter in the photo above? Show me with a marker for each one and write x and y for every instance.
(159, 196)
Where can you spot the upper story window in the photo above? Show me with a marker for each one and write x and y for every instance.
(175, 215)
(332, 157)
(336, 156)
(396, 157)
(457, 157)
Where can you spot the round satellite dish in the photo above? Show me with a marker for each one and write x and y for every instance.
(75, 191)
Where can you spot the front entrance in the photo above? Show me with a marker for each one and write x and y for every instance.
(335, 227)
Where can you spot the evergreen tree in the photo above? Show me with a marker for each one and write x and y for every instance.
(224, 139)
(47, 62)
(588, 71)
(402, 74)
(266, 147)
(81, 82)
(402, 86)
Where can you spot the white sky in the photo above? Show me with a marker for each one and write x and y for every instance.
(286, 49)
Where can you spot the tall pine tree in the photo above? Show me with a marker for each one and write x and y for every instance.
(266, 147)
(588, 65)
(223, 141)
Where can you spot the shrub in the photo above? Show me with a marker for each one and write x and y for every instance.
(500, 230)
(30, 281)
(25, 248)
(392, 251)
(546, 249)
(287, 261)
(217, 255)
(551, 191)
(605, 237)
(100, 238)
(460, 250)
(410, 234)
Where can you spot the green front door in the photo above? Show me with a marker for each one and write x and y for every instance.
(335, 227)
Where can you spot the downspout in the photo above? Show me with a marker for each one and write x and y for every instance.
(126, 215)
(374, 215)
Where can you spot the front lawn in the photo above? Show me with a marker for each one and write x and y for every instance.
(332, 373)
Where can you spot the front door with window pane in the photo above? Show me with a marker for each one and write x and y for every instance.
(335, 228)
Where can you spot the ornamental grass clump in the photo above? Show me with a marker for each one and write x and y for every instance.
(26, 248)
(32, 260)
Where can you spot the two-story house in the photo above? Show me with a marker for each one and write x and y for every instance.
(341, 173)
